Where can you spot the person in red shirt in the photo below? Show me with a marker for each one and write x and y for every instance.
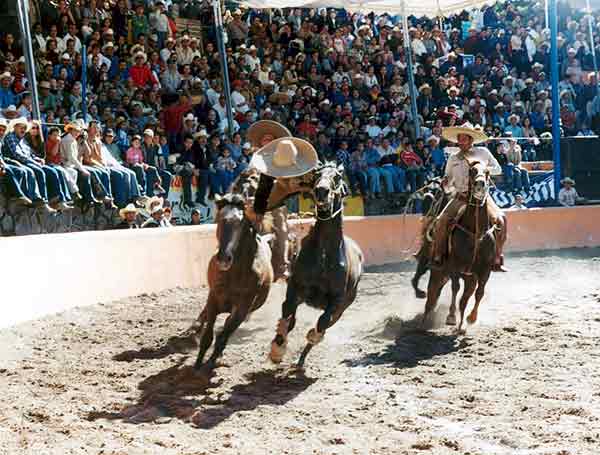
(140, 73)
(172, 120)
(415, 170)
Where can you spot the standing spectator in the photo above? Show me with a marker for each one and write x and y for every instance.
(237, 30)
(357, 174)
(7, 95)
(153, 157)
(123, 180)
(225, 171)
(567, 196)
(515, 175)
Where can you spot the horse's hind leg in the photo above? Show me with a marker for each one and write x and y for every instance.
(231, 324)
(470, 284)
(451, 318)
(285, 325)
(472, 318)
(437, 280)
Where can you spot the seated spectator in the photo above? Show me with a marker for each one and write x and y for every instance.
(567, 196)
(358, 172)
(147, 175)
(195, 218)
(519, 203)
(415, 169)
(515, 176)
(438, 157)
(153, 156)
(91, 149)
(12, 178)
(225, 172)
(128, 216)
(156, 219)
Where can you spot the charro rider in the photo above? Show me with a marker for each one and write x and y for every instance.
(456, 183)
(285, 164)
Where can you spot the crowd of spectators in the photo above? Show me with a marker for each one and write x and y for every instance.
(156, 106)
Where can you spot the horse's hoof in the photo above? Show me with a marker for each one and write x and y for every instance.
(277, 352)
(313, 336)
(420, 294)
(451, 320)
(460, 331)
(472, 318)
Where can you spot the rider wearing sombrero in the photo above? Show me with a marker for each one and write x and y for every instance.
(285, 164)
(456, 183)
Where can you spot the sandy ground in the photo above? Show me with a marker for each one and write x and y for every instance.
(524, 380)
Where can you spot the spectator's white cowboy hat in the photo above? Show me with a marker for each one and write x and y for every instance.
(10, 110)
(152, 202)
(285, 157)
(6, 75)
(66, 56)
(434, 139)
(3, 122)
(453, 89)
(567, 181)
(77, 125)
(475, 132)
(45, 84)
(266, 130)
(424, 87)
(149, 132)
(130, 208)
(141, 55)
(107, 45)
(201, 133)
(511, 116)
(18, 121)
(189, 118)
(546, 135)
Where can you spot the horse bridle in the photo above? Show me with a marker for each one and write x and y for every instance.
(340, 190)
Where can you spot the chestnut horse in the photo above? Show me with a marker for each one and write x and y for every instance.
(472, 250)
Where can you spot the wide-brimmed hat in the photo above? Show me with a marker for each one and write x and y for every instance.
(141, 55)
(476, 133)
(567, 181)
(78, 125)
(285, 157)
(262, 128)
(280, 98)
(130, 208)
(153, 201)
(18, 121)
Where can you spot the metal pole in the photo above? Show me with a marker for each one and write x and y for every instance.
(592, 44)
(84, 82)
(546, 13)
(224, 66)
(23, 10)
(411, 76)
(555, 98)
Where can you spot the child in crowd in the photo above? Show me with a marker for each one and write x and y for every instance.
(53, 147)
(225, 168)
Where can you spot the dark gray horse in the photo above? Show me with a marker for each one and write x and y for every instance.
(239, 276)
(328, 268)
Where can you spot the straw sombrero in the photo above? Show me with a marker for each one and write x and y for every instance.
(280, 98)
(451, 133)
(262, 128)
(568, 180)
(285, 157)
(78, 125)
(130, 208)
(18, 121)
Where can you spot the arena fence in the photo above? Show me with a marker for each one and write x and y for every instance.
(46, 274)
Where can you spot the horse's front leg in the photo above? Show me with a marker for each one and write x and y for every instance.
(472, 318)
(451, 318)
(470, 285)
(316, 334)
(421, 270)
(285, 325)
(231, 324)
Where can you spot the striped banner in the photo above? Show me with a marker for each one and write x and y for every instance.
(541, 193)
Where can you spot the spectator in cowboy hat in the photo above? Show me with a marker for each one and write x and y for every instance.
(78, 177)
(7, 95)
(147, 175)
(128, 218)
(156, 219)
(153, 157)
(567, 196)
(9, 113)
(196, 218)
(17, 152)
(14, 176)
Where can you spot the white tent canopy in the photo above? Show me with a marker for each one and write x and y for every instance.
(419, 8)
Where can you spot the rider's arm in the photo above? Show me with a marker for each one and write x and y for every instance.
(493, 166)
(261, 198)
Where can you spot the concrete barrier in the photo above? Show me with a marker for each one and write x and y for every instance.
(50, 273)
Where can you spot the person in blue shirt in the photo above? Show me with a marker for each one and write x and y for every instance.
(7, 95)
(374, 172)
(438, 157)
(12, 177)
(66, 64)
(513, 126)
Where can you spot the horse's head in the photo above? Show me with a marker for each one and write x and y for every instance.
(479, 178)
(247, 184)
(230, 221)
(329, 189)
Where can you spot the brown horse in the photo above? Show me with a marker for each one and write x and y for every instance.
(328, 268)
(239, 276)
(472, 249)
(274, 225)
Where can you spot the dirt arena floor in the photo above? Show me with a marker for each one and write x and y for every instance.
(524, 380)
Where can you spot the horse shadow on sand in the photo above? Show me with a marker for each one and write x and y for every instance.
(411, 344)
(179, 392)
(183, 343)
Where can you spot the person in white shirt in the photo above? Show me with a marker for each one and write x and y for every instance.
(519, 203)
(373, 130)
(567, 196)
(238, 100)
(73, 35)
(251, 60)
(456, 183)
